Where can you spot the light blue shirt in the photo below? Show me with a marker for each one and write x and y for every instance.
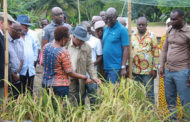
(30, 54)
(13, 54)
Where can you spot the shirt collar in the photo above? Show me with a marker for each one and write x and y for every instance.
(137, 35)
(114, 25)
(10, 38)
(185, 27)
(1, 32)
(72, 45)
(54, 24)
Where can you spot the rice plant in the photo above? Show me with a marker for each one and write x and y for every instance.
(125, 101)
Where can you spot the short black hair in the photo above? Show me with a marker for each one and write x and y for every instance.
(180, 12)
(45, 19)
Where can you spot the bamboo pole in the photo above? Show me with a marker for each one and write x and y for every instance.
(6, 53)
(125, 3)
(130, 45)
(79, 10)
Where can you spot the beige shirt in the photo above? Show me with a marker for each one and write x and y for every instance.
(176, 49)
(73, 51)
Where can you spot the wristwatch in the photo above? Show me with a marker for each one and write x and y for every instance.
(123, 67)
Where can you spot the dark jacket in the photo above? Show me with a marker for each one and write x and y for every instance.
(2, 58)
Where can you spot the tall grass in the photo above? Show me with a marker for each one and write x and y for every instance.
(121, 102)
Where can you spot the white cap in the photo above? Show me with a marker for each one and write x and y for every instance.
(168, 20)
(96, 18)
(99, 24)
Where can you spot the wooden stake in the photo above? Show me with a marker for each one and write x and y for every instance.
(130, 45)
(6, 53)
(79, 10)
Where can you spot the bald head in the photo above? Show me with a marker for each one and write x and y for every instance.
(142, 25)
(111, 16)
(15, 30)
(87, 25)
(141, 19)
(95, 19)
(55, 9)
(102, 14)
(122, 21)
(57, 15)
(111, 11)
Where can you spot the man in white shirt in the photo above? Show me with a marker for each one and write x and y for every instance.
(96, 48)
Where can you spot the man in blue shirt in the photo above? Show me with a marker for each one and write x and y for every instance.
(115, 47)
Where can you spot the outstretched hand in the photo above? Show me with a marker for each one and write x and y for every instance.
(96, 80)
(88, 80)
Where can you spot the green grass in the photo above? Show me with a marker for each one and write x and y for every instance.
(116, 103)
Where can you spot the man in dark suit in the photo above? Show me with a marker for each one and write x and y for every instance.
(2, 53)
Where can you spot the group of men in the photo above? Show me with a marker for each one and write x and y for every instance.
(23, 53)
(106, 52)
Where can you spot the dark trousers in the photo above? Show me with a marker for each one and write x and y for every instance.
(61, 91)
(27, 83)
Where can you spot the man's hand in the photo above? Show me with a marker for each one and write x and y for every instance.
(154, 74)
(188, 82)
(96, 80)
(161, 71)
(123, 72)
(88, 81)
(15, 77)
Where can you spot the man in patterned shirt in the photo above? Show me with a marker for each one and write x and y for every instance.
(145, 56)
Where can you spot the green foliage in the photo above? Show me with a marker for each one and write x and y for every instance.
(167, 10)
(121, 102)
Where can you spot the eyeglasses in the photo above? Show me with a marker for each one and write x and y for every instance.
(17, 30)
(58, 14)
(141, 24)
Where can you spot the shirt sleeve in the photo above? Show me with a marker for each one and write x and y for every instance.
(66, 62)
(124, 37)
(45, 34)
(155, 53)
(99, 48)
(22, 47)
(164, 52)
(35, 49)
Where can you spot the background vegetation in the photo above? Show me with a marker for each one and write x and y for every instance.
(38, 9)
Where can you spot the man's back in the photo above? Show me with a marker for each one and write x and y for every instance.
(2, 55)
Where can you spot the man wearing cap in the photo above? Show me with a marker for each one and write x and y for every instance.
(81, 58)
(99, 27)
(115, 47)
(27, 72)
(2, 52)
(96, 48)
(58, 19)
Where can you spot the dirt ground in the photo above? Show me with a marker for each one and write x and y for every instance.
(157, 30)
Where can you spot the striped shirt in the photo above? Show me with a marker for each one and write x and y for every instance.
(57, 64)
(16, 51)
